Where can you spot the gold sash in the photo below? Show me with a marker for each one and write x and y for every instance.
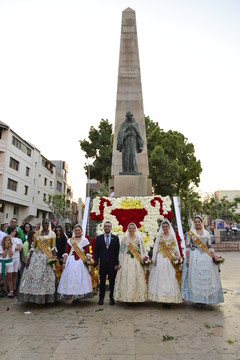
(44, 248)
(167, 253)
(199, 242)
(78, 251)
(134, 251)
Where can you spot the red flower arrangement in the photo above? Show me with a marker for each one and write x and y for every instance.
(123, 216)
(100, 217)
(169, 215)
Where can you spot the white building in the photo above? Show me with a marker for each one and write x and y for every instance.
(26, 179)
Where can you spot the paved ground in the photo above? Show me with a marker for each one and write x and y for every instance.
(125, 332)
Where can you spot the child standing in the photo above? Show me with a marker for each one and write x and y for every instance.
(6, 263)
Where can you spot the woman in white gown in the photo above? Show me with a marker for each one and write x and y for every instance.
(201, 282)
(75, 282)
(130, 284)
(163, 285)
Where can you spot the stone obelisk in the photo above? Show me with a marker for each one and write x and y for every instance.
(129, 98)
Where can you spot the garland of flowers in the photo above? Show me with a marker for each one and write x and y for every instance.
(145, 212)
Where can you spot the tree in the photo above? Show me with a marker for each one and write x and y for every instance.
(99, 148)
(191, 204)
(173, 165)
(59, 207)
(220, 209)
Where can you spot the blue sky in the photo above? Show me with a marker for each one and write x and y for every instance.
(58, 76)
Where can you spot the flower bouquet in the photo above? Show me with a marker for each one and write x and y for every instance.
(146, 261)
(89, 263)
(177, 262)
(218, 260)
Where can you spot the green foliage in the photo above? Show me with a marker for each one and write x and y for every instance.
(173, 166)
(59, 207)
(223, 209)
(99, 148)
(191, 204)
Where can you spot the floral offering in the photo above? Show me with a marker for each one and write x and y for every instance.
(145, 212)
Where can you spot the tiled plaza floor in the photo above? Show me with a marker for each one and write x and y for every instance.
(125, 332)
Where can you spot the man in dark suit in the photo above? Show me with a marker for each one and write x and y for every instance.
(106, 250)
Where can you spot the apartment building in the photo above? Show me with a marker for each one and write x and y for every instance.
(26, 179)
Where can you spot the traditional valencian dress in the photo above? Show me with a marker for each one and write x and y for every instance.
(130, 283)
(75, 282)
(201, 281)
(164, 278)
(38, 280)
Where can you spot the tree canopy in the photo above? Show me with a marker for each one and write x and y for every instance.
(173, 165)
(59, 207)
(99, 148)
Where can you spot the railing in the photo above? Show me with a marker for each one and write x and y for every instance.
(230, 235)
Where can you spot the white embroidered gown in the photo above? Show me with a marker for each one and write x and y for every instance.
(201, 281)
(130, 284)
(75, 281)
(162, 283)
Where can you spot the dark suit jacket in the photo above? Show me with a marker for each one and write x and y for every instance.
(107, 257)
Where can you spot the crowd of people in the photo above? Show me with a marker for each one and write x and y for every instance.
(54, 266)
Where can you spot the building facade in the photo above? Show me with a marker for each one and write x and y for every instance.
(26, 179)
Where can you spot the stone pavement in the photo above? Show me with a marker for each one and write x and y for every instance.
(125, 332)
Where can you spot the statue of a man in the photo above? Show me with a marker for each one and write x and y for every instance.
(129, 143)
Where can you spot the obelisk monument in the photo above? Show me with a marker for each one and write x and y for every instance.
(130, 99)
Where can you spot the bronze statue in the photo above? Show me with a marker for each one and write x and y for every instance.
(129, 143)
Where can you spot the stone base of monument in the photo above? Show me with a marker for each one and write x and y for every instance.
(128, 185)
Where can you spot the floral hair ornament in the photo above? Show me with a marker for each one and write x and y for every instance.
(197, 217)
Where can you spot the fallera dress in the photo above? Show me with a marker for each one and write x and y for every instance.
(130, 283)
(163, 286)
(75, 282)
(201, 281)
(38, 282)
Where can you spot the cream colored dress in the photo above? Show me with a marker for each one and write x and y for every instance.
(162, 283)
(130, 285)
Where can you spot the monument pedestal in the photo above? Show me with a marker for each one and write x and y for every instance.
(132, 185)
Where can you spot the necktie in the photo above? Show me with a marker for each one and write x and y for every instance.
(107, 241)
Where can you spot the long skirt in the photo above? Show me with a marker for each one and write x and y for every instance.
(130, 284)
(38, 281)
(162, 283)
(201, 281)
(75, 282)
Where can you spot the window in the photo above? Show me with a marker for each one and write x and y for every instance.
(25, 190)
(59, 186)
(12, 185)
(1, 207)
(50, 183)
(45, 181)
(14, 164)
(16, 142)
(27, 171)
(15, 210)
(44, 197)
